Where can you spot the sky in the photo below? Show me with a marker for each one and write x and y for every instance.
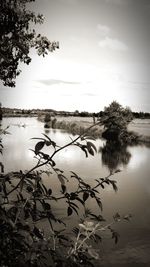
(104, 55)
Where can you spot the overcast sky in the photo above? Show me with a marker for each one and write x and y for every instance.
(104, 55)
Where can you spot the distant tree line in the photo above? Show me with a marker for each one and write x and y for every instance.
(136, 115)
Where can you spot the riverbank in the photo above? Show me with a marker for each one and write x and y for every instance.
(77, 125)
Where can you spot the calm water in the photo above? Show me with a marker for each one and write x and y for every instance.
(133, 182)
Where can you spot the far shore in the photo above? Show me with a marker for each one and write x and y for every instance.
(77, 125)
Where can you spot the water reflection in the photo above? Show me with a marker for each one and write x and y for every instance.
(114, 155)
(46, 130)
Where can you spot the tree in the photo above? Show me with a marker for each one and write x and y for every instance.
(17, 37)
(115, 119)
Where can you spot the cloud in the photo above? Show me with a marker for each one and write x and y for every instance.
(113, 44)
(53, 82)
(103, 29)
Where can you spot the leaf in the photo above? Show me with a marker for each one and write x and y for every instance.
(85, 151)
(63, 187)
(52, 162)
(80, 200)
(61, 179)
(73, 204)
(49, 191)
(75, 209)
(91, 151)
(75, 175)
(45, 156)
(99, 203)
(47, 137)
(53, 144)
(69, 211)
(44, 187)
(102, 185)
(58, 170)
(85, 196)
(37, 138)
(39, 146)
(89, 137)
(2, 167)
(117, 171)
(90, 144)
(73, 196)
(114, 185)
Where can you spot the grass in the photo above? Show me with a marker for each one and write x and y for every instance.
(77, 127)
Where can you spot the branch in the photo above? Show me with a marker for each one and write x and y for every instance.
(48, 160)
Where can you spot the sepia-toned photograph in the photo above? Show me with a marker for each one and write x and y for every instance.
(74, 133)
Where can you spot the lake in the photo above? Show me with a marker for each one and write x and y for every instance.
(132, 197)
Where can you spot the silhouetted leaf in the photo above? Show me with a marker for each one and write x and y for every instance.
(69, 211)
(85, 151)
(58, 170)
(53, 144)
(63, 187)
(90, 144)
(39, 146)
(49, 191)
(74, 209)
(99, 203)
(102, 185)
(85, 196)
(73, 204)
(91, 151)
(73, 196)
(2, 167)
(53, 163)
(80, 200)
(89, 137)
(117, 171)
(44, 187)
(45, 156)
(61, 179)
(114, 185)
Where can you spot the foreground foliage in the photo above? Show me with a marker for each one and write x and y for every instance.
(31, 232)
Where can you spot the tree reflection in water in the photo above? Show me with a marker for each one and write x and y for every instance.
(114, 155)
